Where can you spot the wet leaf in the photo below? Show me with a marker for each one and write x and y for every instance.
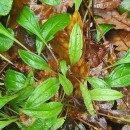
(6, 123)
(51, 2)
(14, 80)
(5, 7)
(124, 59)
(43, 92)
(5, 42)
(105, 28)
(119, 77)
(66, 84)
(58, 123)
(28, 20)
(42, 124)
(44, 111)
(33, 60)
(6, 99)
(77, 4)
(97, 83)
(87, 98)
(105, 94)
(50, 27)
(63, 67)
(75, 44)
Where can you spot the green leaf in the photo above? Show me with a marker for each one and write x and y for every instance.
(58, 123)
(14, 80)
(124, 59)
(33, 60)
(7, 33)
(119, 77)
(66, 84)
(51, 2)
(77, 4)
(105, 28)
(5, 42)
(6, 123)
(6, 99)
(97, 83)
(125, 7)
(44, 111)
(43, 92)
(105, 94)
(29, 21)
(50, 27)
(87, 99)
(75, 44)
(42, 124)
(63, 67)
(5, 6)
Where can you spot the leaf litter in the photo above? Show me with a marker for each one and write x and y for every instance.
(94, 58)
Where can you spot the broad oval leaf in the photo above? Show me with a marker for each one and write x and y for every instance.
(44, 111)
(97, 83)
(5, 7)
(6, 123)
(124, 59)
(33, 60)
(14, 80)
(43, 92)
(6, 99)
(75, 44)
(50, 27)
(5, 42)
(87, 98)
(105, 94)
(77, 4)
(51, 2)
(63, 67)
(119, 77)
(29, 21)
(66, 84)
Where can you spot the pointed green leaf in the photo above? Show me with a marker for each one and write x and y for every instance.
(33, 60)
(14, 80)
(105, 94)
(50, 27)
(29, 21)
(5, 6)
(75, 44)
(43, 92)
(6, 99)
(58, 123)
(124, 59)
(5, 42)
(67, 85)
(77, 4)
(63, 67)
(87, 99)
(51, 2)
(6, 123)
(105, 28)
(97, 83)
(44, 111)
(119, 77)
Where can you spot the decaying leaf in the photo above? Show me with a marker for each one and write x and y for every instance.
(114, 18)
(106, 4)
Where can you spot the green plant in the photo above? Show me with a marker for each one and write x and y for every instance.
(35, 101)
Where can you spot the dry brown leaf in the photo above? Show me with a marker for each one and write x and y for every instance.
(120, 39)
(106, 4)
(114, 18)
